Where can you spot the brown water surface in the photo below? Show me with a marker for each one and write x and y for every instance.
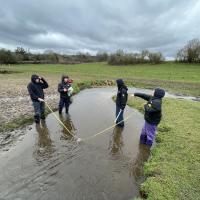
(48, 164)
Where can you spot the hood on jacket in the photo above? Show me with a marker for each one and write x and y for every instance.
(63, 77)
(159, 93)
(34, 77)
(120, 84)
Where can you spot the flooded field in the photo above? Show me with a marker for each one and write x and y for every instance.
(46, 163)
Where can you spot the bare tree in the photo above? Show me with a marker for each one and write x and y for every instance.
(156, 58)
(190, 52)
(7, 57)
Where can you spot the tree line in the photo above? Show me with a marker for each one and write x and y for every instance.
(190, 53)
(22, 56)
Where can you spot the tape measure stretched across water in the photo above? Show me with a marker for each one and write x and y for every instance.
(105, 130)
(60, 121)
(90, 137)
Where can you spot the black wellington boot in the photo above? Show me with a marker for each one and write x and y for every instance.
(37, 119)
(43, 116)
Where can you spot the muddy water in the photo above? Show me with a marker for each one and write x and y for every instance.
(47, 164)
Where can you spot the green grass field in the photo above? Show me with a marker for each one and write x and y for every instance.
(179, 78)
(173, 170)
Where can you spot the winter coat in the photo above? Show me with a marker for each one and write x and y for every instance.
(63, 85)
(153, 107)
(122, 94)
(36, 89)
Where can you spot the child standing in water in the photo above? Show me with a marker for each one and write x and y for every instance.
(65, 89)
(36, 91)
(121, 101)
(153, 114)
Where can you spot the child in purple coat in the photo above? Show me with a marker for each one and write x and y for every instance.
(153, 114)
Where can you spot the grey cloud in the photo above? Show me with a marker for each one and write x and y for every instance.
(88, 25)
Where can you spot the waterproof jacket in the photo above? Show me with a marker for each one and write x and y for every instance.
(153, 107)
(63, 85)
(122, 94)
(36, 89)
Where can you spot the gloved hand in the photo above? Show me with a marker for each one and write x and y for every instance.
(41, 100)
(41, 79)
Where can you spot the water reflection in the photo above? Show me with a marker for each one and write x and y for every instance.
(44, 143)
(75, 171)
(138, 162)
(116, 142)
(66, 120)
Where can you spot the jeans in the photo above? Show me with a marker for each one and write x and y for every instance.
(120, 117)
(64, 102)
(148, 134)
(39, 108)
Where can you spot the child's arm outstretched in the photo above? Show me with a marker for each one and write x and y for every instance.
(143, 96)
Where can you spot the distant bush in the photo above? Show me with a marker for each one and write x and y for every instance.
(102, 56)
(7, 57)
(156, 58)
(85, 57)
(122, 58)
(190, 52)
(22, 55)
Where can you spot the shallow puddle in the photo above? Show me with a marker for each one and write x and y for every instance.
(48, 164)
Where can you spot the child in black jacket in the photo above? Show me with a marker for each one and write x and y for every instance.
(153, 114)
(65, 89)
(35, 89)
(121, 101)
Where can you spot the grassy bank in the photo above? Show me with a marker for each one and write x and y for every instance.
(173, 170)
(175, 77)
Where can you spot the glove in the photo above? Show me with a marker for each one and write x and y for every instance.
(41, 100)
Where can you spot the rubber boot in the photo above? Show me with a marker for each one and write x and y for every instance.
(60, 111)
(37, 119)
(43, 116)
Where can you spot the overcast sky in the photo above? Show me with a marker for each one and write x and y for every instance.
(105, 25)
